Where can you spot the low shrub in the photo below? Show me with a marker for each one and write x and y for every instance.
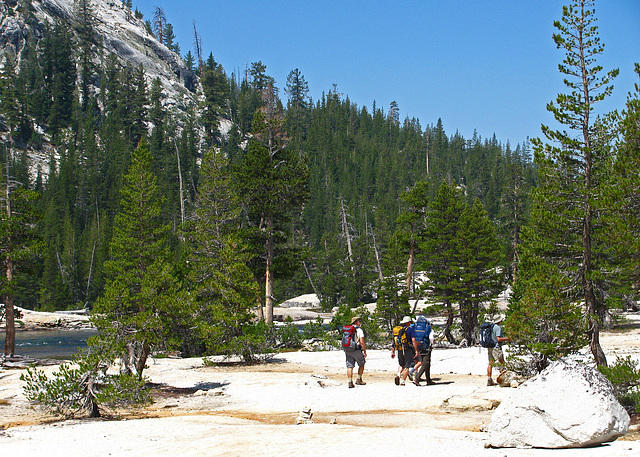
(624, 374)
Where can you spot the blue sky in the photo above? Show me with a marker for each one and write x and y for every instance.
(483, 65)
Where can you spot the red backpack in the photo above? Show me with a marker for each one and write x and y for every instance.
(349, 337)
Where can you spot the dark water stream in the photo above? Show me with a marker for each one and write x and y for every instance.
(50, 344)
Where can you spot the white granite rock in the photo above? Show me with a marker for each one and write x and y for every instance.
(568, 405)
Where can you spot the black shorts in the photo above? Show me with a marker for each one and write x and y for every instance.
(406, 358)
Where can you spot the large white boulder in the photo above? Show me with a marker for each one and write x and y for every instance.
(567, 405)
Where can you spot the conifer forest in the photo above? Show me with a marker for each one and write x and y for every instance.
(189, 221)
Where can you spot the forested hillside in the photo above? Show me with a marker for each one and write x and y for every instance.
(73, 112)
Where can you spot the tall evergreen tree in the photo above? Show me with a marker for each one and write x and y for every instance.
(259, 78)
(297, 89)
(571, 173)
(59, 71)
(224, 290)
(515, 202)
(9, 94)
(89, 42)
(440, 245)
(479, 263)
(623, 195)
(169, 39)
(411, 225)
(141, 303)
(274, 182)
(19, 244)
(215, 87)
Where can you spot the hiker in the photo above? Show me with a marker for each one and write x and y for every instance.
(404, 341)
(355, 349)
(425, 339)
(495, 352)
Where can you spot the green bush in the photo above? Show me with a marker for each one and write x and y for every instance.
(84, 387)
(257, 343)
(314, 330)
(288, 335)
(624, 374)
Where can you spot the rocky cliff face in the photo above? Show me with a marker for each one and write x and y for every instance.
(121, 34)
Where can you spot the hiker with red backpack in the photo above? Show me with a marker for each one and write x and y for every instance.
(355, 349)
(404, 342)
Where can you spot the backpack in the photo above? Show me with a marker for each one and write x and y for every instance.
(400, 338)
(422, 329)
(486, 335)
(349, 337)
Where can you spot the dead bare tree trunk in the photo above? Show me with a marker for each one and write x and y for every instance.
(447, 326)
(375, 247)
(197, 42)
(313, 286)
(86, 295)
(268, 281)
(10, 319)
(142, 361)
(410, 261)
(345, 232)
(180, 183)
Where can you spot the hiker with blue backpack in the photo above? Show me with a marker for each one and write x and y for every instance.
(492, 338)
(355, 349)
(424, 338)
(405, 344)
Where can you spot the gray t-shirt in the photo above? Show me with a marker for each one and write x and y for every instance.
(496, 331)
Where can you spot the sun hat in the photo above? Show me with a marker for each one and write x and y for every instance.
(406, 320)
(355, 319)
(497, 318)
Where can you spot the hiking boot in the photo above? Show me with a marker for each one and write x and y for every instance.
(430, 382)
(397, 380)
(416, 382)
(491, 382)
(360, 382)
(351, 386)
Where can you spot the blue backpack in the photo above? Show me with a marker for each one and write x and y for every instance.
(422, 329)
(486, 335)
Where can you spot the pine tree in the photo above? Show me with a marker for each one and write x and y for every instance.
(274, 182)
(140, 308)
(224, 290)
(189, 61)
(623, 233)
(215, 87)
(9, 95)
(394, 113)
(515, 202)
(411, 224)
(19, 244)
(89, 44)
(479, 261)
(393, 296)
(259, 78)
(441, 246)
(169, 39)
(571, 173)
(59, 71)
(297, 89)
